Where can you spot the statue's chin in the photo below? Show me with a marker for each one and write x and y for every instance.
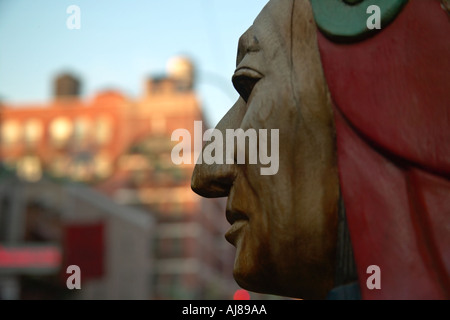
(254, 283)
(258, 280)
(250, 282)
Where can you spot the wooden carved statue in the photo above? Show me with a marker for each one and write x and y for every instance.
(362, 182)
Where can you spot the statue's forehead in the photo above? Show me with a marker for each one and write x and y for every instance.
(276, 10)
(270, 26)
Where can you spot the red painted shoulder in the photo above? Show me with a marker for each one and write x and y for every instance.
(392, 110)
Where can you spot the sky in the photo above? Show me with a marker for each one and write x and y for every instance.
(119, 44)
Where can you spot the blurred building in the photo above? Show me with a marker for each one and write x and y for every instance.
(122, 148)
(46, 226)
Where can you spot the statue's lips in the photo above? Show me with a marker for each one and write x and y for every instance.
(235, 230)
(237, 220)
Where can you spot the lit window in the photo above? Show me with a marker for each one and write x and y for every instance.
(103, 167)
(33, 131)
(11, 132)
(29, 168)
(103, 130)
(81, 167)
(60, 131)
(82, 129)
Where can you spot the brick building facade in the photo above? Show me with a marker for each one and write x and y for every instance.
(121, 147)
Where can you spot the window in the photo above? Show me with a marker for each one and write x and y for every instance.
(61, 129)
(33, 130)
(10, 132)
(103, 130)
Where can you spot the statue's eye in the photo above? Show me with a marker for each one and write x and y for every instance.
(244, 79)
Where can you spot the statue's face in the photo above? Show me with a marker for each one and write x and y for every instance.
(284, 226)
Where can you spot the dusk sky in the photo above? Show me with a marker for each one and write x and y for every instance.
(119, 44)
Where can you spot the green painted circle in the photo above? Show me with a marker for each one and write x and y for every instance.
(346, 20)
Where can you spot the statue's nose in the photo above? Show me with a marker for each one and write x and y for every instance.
(212, 180)
(215, 180)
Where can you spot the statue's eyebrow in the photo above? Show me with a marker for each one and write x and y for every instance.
(248, 42)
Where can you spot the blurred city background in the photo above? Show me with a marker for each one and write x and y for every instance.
(86, 117)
